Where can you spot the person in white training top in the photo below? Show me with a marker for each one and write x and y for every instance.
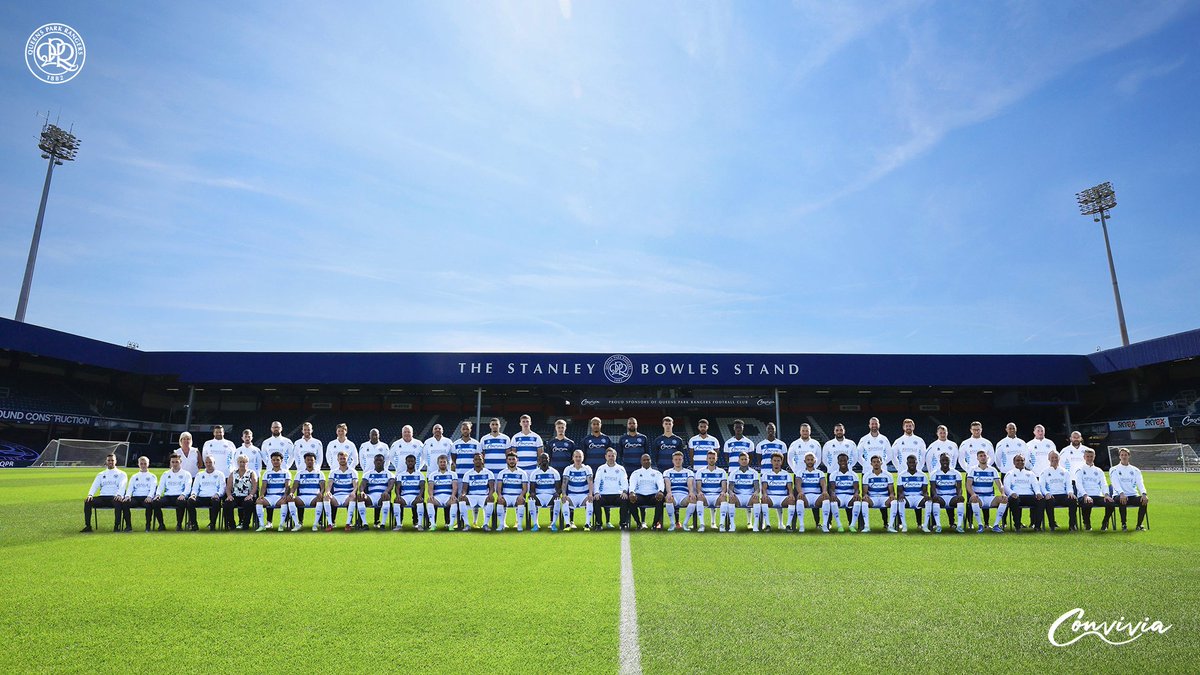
(646, 489)
(802, 446)
(189, 457)
(307, 444)
(438, 445)
(1128, 490)
(942, 446)
(341, 444)
(220, 449)
(248, 450)
(277, 442)
(106, 487)
(612, 489)
(208, 488)
(874, 444)
(1008, 447)
(1092, 487)
(1038, 449)
(174, 486)
(139, 493)
(835, 446)
(369, 448)
(908, 444)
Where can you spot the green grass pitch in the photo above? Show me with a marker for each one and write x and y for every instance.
(546, 602)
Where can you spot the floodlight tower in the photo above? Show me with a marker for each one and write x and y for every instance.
(58, 146)
(1097, 202)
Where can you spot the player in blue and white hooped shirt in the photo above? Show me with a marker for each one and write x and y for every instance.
(475, 488)
(341, 444)
(371, 447)
(545, 484)
(527, 444)
(596, 444)
(494, 446)
(843, 492)
(577, 490)
(947, 494)
(835, 446)
(710, 487)
(443, 493)
(985, 492)
(908, 444)
(512, 484)
(874, 444)
(701, 444)
(404, 447)
(681, 493)
(776, 486)
(462, 458)
(436, 446)
(1059, 490)
(741, 491)
(811, 491)
(275, 491)
(912, 492)
(879, 492)
(560, 448)
(375, 492)
(306, 444)
(343, 483)
(737, 445)
(310, 488)
(767, 447)
(410, 494)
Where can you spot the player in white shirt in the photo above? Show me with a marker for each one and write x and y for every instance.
(681, 493)
(174, 486)
(494, 446)
(527, 444)
(811, 493)
(404, 447)
(801, 446)
(208, 488)
(741, 491)
(577, 490)
(776, 485)
(612, 489)
(343, 484)
(106, 487)
(1092, 487)
(248, 450)
(1059, 491)
(139, 493)
(189, 457)
(874, 444)
(912, 492)
(1071, 456)
(701, 443)
(309, 490)
(985, 492)
(371, 447)
(835, 446)
(879, 492)
(220, 449)
(341, 444)
(1023, 490)
(443, 493)
(647, 488)
(969, 449)
(277, 442)
(476, 486)
(276, 492)
(710, 486)
(947, 494)
(375, 491)
(545, 484)
(1010, 446)
(737, 444)
(436, 446)
(410, 491)
(942, 446)
(843, 493)
(1128, 489)
(512, 484)
(1038, 449)
(306, 444)
(907, 445)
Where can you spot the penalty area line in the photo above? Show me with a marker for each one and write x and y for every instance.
(631, 653)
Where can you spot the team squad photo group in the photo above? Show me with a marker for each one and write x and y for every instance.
(467, 483)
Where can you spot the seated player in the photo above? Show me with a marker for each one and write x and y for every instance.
(139, 493)
(343, 483)
(374, 492)
(276, 493)
(106, 487)
(811, 489)
(173, 488)
(1128, 489)
(710, 485)
(912, 492)
(1057, 486)
(1093, 488)
(443, 494)
(776, 486)
(577, 491)
(647, 488)
(241, 492)
(947, 494)
(512, 484)
(1024, 491)
(741, 491)
(983, 481)
(410, 493)
(208, 489)
(309, 492)
(612, 489)
(681, 493)
(545, 483)
(878, 493)
(476, 485)
(843, 493)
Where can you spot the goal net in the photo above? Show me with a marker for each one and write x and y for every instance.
(77, 452)
(1161, 457)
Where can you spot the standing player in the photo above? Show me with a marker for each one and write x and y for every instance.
(406, 446)
(647, 488)
(443, 493)
(912, 489)
(1024, 490)
(371, 447)
(843, 493)
(174, 485)
(596, 444)
(410, 488)
(436, 446)
(947, 485)
(835, 446)
(681, 492)
(1008, 447)
(138, 493)
(545, 484)
(306, 444)
(664, 447)
(577, 490)
(942, 446)
(494, 446)
(631, 445)
(710, 486)
(560, 448)
(767, 447)
(277, 442)
(309, 490)
(476, 485)
(1057, 486)
(1071, 457)
(465, 449)
(343, 483)
(879, 493)
(776, 494)
(811, 488)
(874, 444)
(276, 489)
(969, 449)
(527, 444)
(1038, 449)
(1093, 488)
(220, 449)
(985, 492)
(1128, 488)
(612, 489)
(907, 445)
(741, 491)
(341, 444)
(512, 484)
(737, 444)
(701, 443)
(248, 450)
(374, 491)
(208, 488)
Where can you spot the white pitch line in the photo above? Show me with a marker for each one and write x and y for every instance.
(631, 652)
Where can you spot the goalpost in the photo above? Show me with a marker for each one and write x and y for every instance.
(79, 452)
(1158, 457)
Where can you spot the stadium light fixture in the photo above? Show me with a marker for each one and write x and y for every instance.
(1097, 202)
(58, 146)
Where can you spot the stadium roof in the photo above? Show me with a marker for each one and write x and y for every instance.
(717, 370)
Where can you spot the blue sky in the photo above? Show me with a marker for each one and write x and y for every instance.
(608, 176)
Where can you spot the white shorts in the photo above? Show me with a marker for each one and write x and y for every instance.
(776, 501)
(475, 501)
(710, 500)
(307, 501)
(440, 500)
(679, 499)
(946, 499)
(410, 500)
(272, 500)
(844, 500)
(811, 498)
(341, 500)
(913, 501)
(742, 500)
(510, 500)
(576, 501)
(877, 501)
(546, 498)
(374, 500)
(986, 500)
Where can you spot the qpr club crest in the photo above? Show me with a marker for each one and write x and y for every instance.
(618, 368)
(55, 53)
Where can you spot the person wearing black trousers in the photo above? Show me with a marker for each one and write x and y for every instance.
(106, 487)
(1024, 492)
